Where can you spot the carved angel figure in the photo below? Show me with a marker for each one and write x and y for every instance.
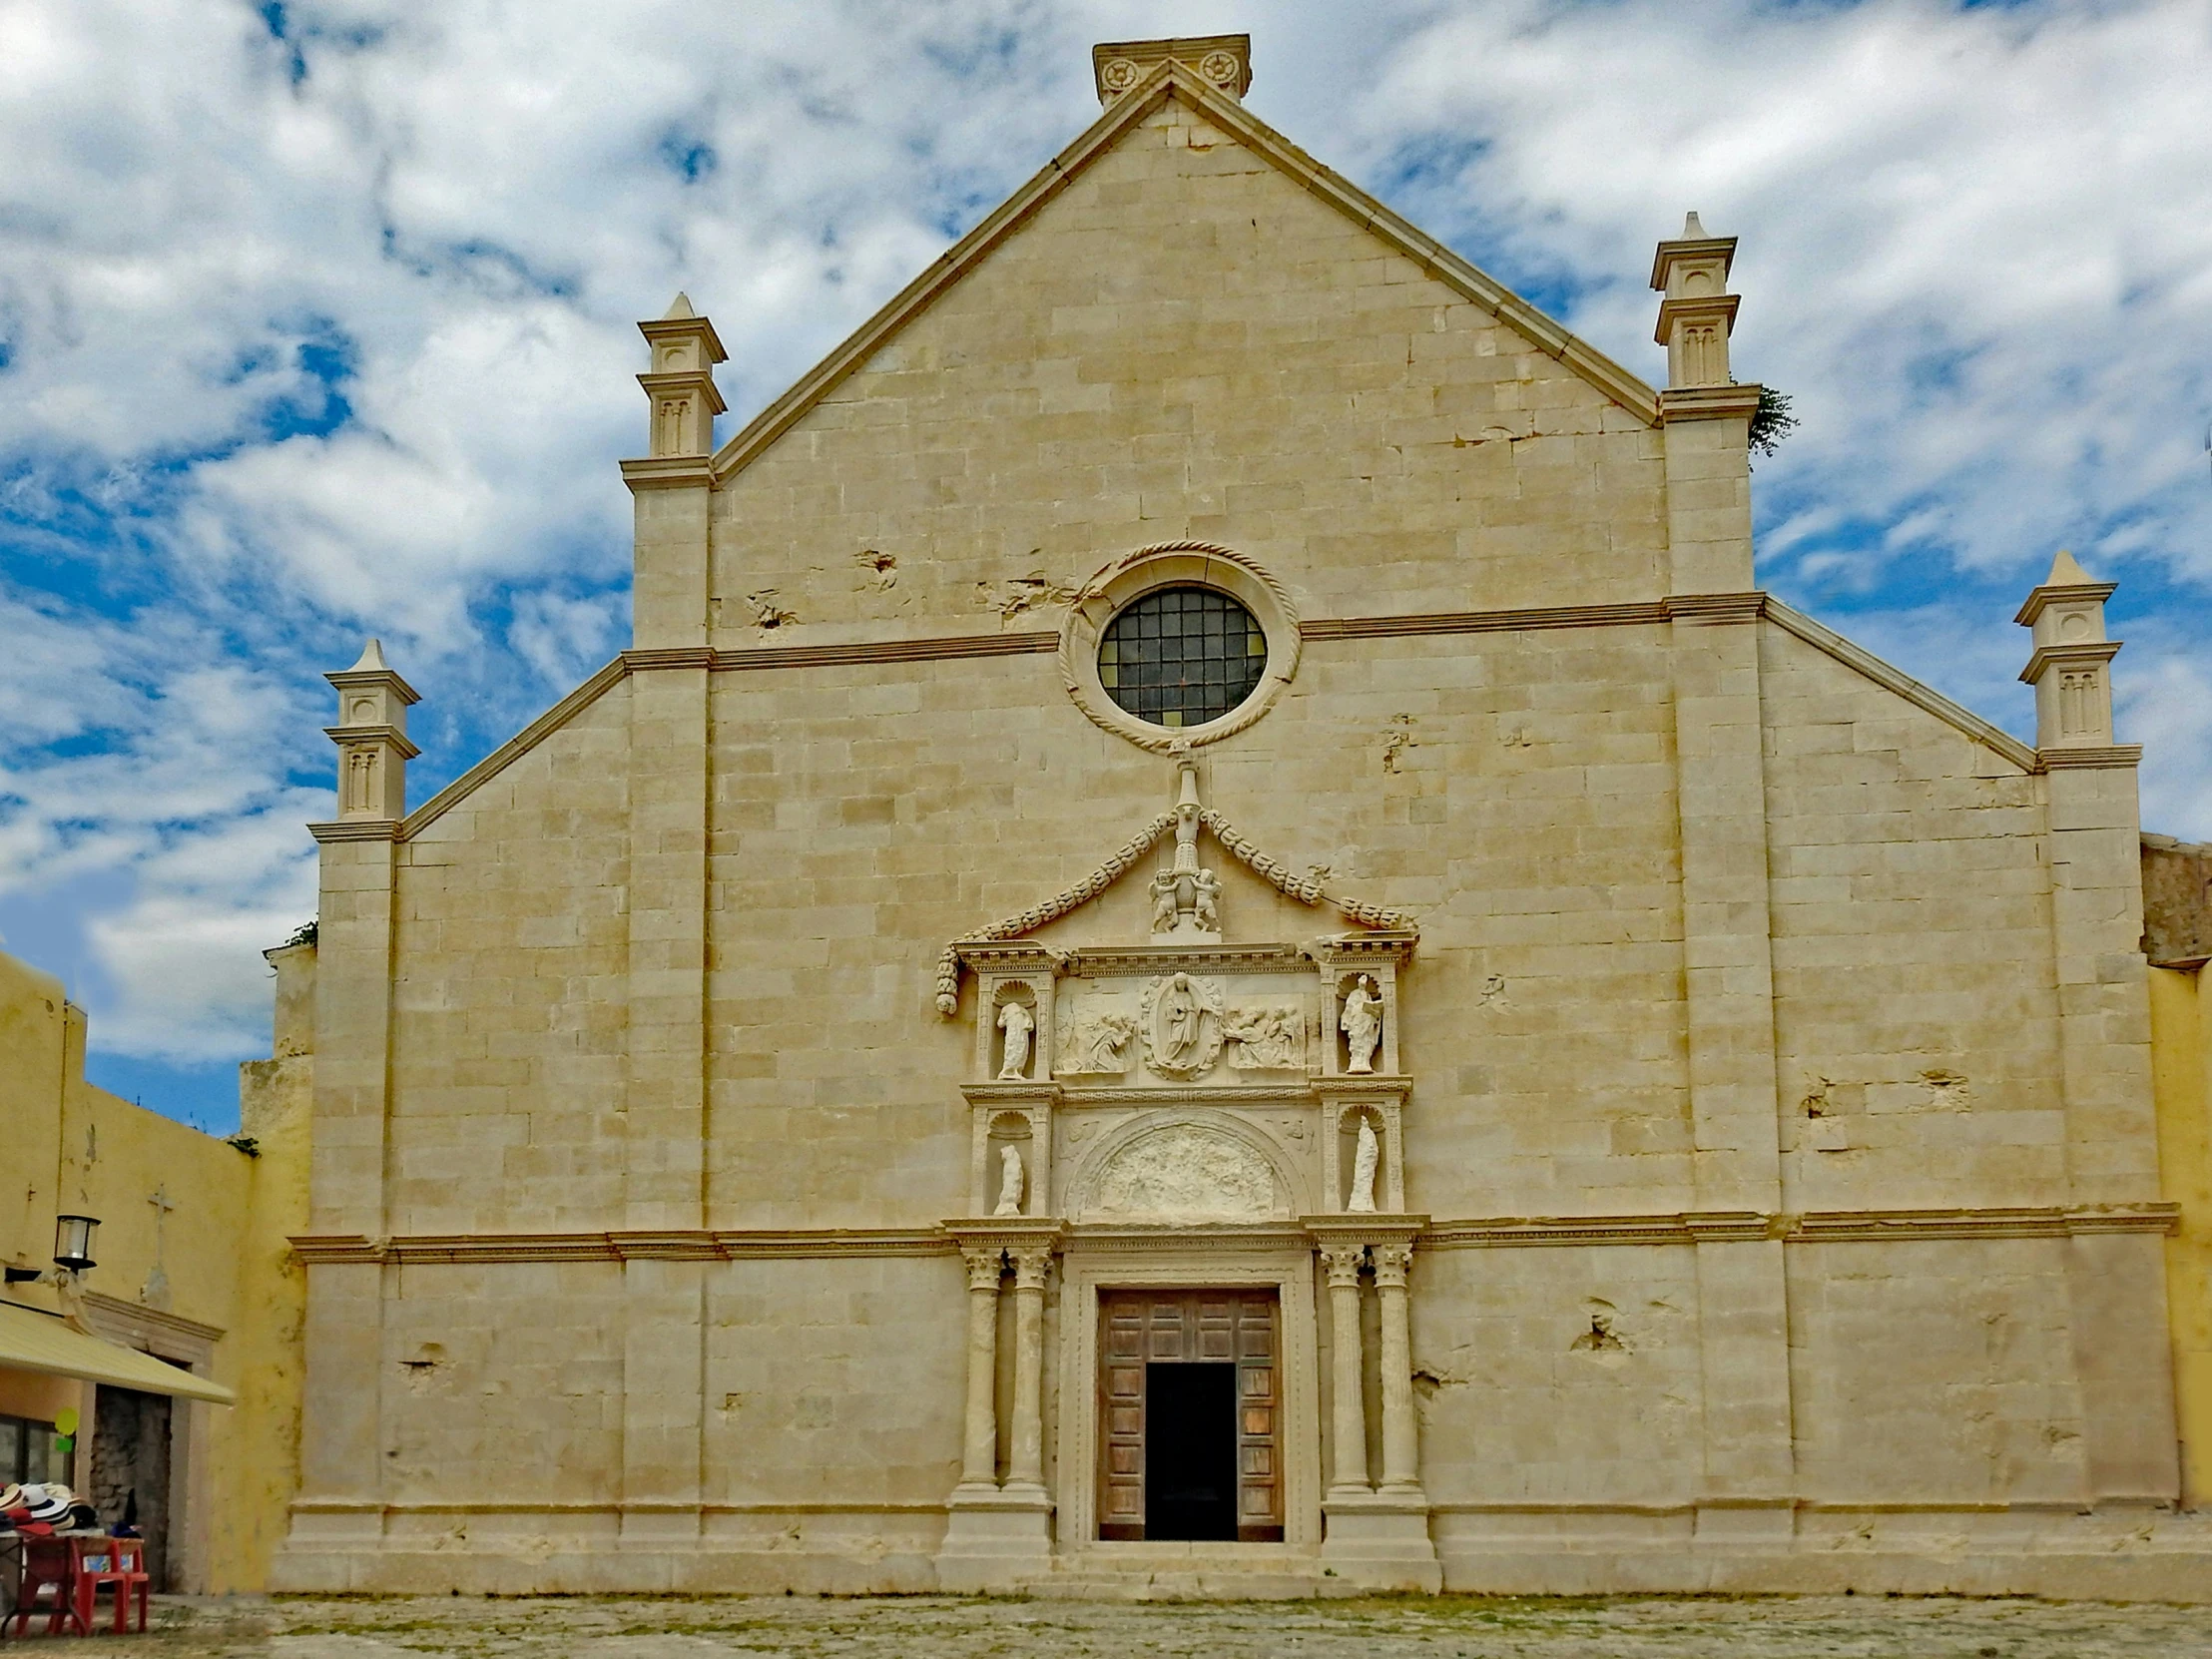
(1017, 1023)
(1163, 902)
(1363, 1159)
(1209, 901)
(1010, 1182)
(1362, 1024)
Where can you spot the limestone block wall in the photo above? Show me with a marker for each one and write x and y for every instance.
(519, 1403)
(510, 994)
(1556, 1377)
(1934, 1373)
(1184, 342)
(1915, 1004)
(832, 1382)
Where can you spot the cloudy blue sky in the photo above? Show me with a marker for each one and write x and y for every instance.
(315, 320)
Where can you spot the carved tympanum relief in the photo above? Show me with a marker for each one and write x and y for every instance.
(1181, 1025)
(1184, 1172)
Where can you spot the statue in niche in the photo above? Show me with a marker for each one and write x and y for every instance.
(1181, 1025)
(1207, 902)
(1362, 1024)
(1164, 907)
(1363, 1159)
(1267, 1039)
(1017, 1023)
(1010, 1180)
(1099, 1043)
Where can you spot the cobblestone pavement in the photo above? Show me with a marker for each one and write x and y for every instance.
(931, 1627)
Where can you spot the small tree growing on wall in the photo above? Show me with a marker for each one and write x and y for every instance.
(1772, 421)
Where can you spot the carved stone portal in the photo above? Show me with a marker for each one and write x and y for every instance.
(1181, 1025)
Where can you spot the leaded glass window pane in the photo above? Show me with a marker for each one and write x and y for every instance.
(1182, 656)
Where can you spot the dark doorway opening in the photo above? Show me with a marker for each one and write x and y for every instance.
(1190, 1463)
(130, 1469)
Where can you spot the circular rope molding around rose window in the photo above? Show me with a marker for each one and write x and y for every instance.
(1149, 570)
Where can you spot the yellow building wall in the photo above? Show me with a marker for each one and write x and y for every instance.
(2181, 1073)
(210, 1256)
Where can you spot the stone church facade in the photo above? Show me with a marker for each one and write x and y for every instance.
(1212, 941)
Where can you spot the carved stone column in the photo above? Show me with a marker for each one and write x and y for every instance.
(1348, 1463)
(1401, 1436)
(999, 1538)
(979, 1451)
(1025, 1466)
(1376, 1537)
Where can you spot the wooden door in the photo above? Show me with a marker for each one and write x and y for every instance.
(1169, 1327)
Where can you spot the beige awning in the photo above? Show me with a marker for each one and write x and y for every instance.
(36, 1342)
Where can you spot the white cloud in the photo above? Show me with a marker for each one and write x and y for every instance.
(1976, 247)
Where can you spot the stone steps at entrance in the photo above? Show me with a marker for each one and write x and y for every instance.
(1169, 1572)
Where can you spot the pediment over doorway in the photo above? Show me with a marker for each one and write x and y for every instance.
(1186, 897)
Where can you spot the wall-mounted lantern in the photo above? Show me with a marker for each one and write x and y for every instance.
(72, 1242)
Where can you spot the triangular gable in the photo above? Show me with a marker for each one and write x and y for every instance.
(1175, 80)
(1307, 889)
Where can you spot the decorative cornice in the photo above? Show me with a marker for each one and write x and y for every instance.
(1714, 607)
(1860, 1226)
(372, 733)
(1525, 618)
(1707, 402)
(1227, 1238)
(685, 379)
(637, 661)
(1817, 1227)
(1012, 1092)
(115, 1315)
(2099, 756)
(943, 648)
(359, 830)
(1003, 1232)
(1679, 1228)
(688, 1244)
(2045, 657)
(669, 472)
(1100, 961)
(1703, 307)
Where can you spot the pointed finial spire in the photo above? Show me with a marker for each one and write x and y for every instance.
(2066, 572)
(371, 737)
(680, 385)
(2071, 663)
(1698, 313)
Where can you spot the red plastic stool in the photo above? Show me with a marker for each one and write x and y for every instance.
(118, 1564)
(48, 1565)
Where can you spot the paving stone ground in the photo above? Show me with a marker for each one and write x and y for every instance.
(933, 1627)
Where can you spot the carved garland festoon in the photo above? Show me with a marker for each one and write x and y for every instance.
(1307, 889)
